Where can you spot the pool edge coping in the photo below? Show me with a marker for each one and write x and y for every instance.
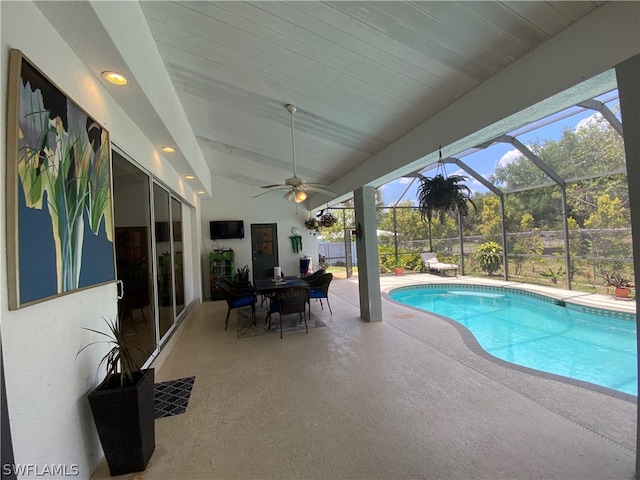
(474, 346)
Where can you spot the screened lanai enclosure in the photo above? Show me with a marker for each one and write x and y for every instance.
(551, 207)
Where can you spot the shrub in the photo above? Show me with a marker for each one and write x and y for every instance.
(489, 256)
(552, 275)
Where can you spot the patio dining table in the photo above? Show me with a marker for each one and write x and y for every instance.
(269, 286)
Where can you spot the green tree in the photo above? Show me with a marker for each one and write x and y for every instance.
(545, 204)
(606, 242)
(409, 225)
(491, 225)
(582, 196)
(610, 213)
(576, 245)
(528, 242)
(412, 230)
(595, 151)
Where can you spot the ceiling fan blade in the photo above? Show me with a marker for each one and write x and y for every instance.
(318, 185)
(271, 190)
(275, 186)
(324, 191)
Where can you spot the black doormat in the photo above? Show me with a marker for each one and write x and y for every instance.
(290, 322)
(172, 397)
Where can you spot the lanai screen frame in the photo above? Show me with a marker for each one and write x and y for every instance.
(597, 104)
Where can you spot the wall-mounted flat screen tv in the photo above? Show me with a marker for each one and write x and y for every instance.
(221, 229)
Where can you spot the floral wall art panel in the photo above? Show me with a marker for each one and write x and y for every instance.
(59, 201)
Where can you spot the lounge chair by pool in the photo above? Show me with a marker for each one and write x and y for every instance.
(431, 263)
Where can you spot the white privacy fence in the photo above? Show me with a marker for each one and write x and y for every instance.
(334, 253)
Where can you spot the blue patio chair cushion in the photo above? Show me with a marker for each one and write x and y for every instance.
(243, 302)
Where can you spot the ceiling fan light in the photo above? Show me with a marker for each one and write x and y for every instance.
(288, 196)
(300, 196)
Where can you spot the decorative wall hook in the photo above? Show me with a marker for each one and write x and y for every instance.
(357, 232)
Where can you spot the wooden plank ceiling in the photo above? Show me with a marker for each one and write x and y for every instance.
(362, 73)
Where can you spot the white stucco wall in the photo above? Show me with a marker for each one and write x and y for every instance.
(46, 384)
(234, 201)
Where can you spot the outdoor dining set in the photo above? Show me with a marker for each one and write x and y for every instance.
(284, 295)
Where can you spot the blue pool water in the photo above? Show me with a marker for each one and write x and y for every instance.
(539, 334)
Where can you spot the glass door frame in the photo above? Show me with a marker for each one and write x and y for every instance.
(153, 265)
(176, 317)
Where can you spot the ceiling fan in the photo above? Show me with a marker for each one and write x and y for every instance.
(296, 186)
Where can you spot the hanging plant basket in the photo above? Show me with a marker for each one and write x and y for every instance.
(327, 220)
(312, 224)
(441, 194)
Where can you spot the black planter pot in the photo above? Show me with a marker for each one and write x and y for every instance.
(124, 418)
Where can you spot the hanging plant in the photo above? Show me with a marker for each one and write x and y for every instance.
(312, 224)
(441, 194)
(327, 220)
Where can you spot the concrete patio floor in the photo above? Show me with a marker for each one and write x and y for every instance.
(401, 398)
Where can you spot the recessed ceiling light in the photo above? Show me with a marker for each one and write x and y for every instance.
(168, 149)
(200, 192)
(189, 177)
(115, 78)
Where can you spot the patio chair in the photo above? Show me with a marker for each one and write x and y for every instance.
(290, 300)
(314, 276)
(320, 289)
(431, 263)
(233, 283)
(238, 298)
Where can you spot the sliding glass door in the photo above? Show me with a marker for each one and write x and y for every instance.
(132, 219)
(178, 260)
(164, 275)
(153, 295)
(170, 276)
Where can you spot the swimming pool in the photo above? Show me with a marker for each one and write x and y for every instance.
(593, 345)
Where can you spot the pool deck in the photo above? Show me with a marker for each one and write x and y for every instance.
(402, 398)
(593, 300)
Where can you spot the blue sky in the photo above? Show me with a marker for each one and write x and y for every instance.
(485, 161)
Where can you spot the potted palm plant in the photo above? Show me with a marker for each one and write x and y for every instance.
(123, 404)
(242, 274)
(622, 286)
